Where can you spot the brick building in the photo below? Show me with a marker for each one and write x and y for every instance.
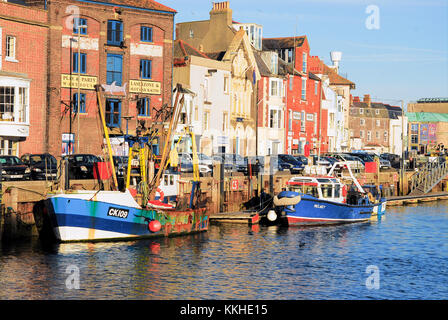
(271, 103)
(125, 46)
(23, 80)
(370, 122)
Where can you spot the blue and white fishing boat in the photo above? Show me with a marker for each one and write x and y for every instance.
(85, 215)
(322, 200)
(96, 215)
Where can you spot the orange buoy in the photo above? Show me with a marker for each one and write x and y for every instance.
(154, 226)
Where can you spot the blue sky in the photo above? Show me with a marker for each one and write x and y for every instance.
(405, 59)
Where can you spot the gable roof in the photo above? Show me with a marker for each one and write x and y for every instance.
(239, 39)
(283, 43)
(144, 4)
(183, 49)
(336, 79)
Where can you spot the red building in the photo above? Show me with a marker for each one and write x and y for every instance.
(124, 46)
(303, 114)
(23, 79)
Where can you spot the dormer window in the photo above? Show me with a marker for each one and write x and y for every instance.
(304, 62)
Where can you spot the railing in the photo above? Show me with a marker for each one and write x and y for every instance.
(428, 177)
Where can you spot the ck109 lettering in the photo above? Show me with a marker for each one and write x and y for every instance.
(119, 213)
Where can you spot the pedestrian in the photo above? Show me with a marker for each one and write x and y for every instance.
(256, 168)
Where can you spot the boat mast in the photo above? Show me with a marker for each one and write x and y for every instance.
(173, 123)
(98, 89)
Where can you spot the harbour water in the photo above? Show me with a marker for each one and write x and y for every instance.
(402, 256)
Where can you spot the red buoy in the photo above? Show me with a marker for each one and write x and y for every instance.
(154, 226)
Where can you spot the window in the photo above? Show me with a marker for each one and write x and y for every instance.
(275, 118)
(331, 124)
(274, 62)
(276, 88)
(304, 89)
(11, 47)
(206, 120)
(361, 133)
(146, 34)
(226, 84)
(291, 82)
(290, 120)
(315, 88)
(82, 61)
(114, 68)
(302, 122)
(145, 69)
(23, 104)
(225, 118)
(377, 134)
(206, 88)
(304, 62)
(82, 105)
(114, 32)
(361, 111)
(7, 98)
(143, 107)
(378, 123)
(362, 122)
(6, 147)
(309, 117)
(377, 111)
(369, 136)
(385, 136)
(80, 25)
(113, 113)
(414, 128)
(191, 33)
(414, 138)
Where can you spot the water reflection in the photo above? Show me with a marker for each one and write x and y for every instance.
(241, 262)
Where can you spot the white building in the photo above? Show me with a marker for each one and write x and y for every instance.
(206, 106)
(271, 104)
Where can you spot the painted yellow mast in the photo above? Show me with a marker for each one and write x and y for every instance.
(106, 135)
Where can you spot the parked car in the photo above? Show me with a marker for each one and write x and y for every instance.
(395, 160)
(321, 162)
(355, 163)
(14, 169)
(365, 157)
(205, 160)
(232, 161)
(186, 164)
(384, 163)
(302, 159)
(296, 165)
(42, 166)
(80, 166)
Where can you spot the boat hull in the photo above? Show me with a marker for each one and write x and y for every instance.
(71, 218)
(311, 211)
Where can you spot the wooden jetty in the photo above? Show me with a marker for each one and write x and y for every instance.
(249, 217)
(412, 199)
